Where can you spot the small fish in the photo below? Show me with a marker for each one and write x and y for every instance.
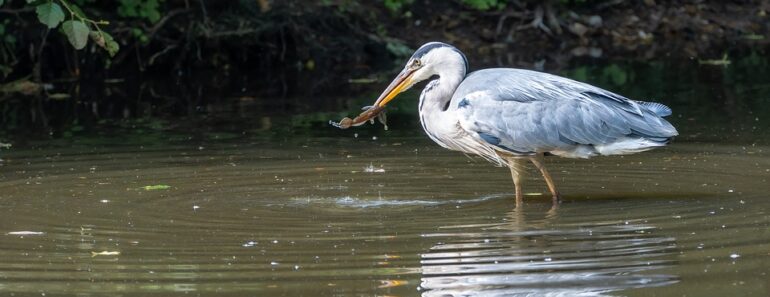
(105, 253)
(370, 112)
(381, 117)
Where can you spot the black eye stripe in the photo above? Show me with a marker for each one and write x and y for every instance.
(432, 45)
(428, 47)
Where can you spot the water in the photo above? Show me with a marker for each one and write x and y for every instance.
(312, 218)
(286, 206)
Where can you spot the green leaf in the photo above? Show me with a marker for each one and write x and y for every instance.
(128, 8)
(396, 5)
(112, 47)
(50, 14)
(1, 2)
(105, 40)
(156, 187)
(484, 4)
(77, 33)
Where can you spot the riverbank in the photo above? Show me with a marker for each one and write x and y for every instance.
(285, 58)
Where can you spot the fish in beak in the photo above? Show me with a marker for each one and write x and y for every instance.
(402, 81)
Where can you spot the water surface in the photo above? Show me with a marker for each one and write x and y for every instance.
(393, 217)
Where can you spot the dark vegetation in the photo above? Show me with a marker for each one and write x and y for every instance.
(187, 58)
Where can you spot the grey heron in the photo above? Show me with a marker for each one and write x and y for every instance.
(508, 116)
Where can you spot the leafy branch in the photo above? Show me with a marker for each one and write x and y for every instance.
(78, 28)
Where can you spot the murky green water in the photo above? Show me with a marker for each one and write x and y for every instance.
(277, 204)
(319, 218)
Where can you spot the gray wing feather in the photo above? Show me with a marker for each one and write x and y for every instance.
(531, 111)
(659, 109)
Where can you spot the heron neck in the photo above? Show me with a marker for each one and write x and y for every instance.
(434, 103)
(438, 93)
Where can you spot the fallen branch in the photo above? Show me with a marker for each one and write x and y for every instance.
(151, 61)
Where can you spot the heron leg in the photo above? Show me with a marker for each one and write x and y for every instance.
(538, 161)
(517, 171)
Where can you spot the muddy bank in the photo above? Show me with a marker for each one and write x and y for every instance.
(532, 34)
(297, 48)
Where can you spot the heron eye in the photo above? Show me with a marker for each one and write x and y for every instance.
(416, 63)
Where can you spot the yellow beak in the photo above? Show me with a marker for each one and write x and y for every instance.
(396, 86)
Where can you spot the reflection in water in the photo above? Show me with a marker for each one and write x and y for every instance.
(535, 259)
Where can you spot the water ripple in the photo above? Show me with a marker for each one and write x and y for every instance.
(353, 202)
(586, 261)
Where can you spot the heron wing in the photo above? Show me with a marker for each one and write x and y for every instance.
(526, 112)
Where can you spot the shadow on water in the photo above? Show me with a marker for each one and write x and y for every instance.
(728, 99)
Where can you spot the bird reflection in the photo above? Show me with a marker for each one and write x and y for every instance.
(544, 257)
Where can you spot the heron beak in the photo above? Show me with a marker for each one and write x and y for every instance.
(397, 86)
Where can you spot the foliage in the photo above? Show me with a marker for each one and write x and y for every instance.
(78, 28)
(146, 9)
(50, 14)
(485, 4)
(77, 33)
(396, 5)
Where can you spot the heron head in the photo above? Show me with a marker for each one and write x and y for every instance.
(431, 59)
